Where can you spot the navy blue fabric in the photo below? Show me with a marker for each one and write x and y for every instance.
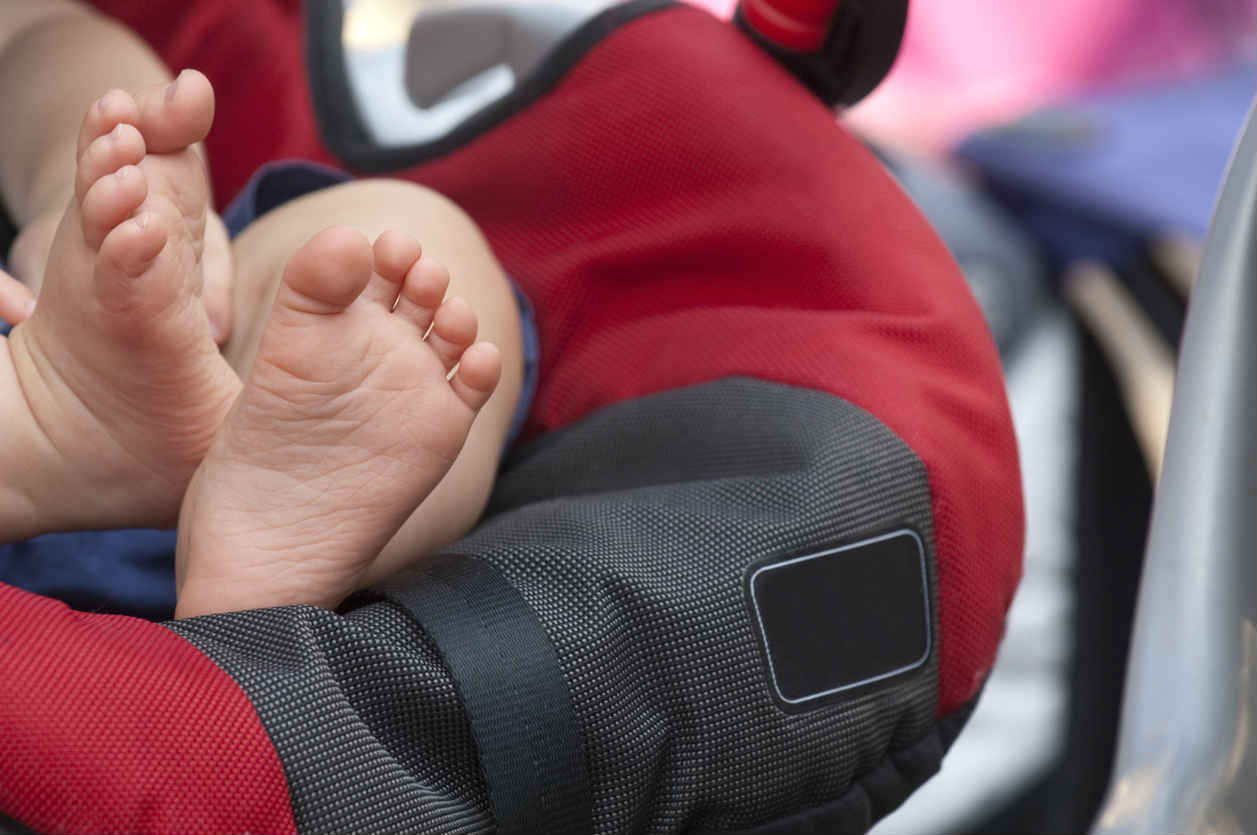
(273, 185)
(121, 572)
(1097, 177)
(132, 571)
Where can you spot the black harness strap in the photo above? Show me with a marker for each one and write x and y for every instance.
(507, 672)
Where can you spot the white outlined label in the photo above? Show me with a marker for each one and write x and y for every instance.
(844, 618)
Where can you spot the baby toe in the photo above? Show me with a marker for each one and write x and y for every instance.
(130, 248)
(111, 200)
(328, 273)
(478, 374)
(106, 154)
(395, 252)
(424, 288)
(110, 110)
(175, 115)
(453, 330)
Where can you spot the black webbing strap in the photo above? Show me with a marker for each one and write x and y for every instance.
(507, 673)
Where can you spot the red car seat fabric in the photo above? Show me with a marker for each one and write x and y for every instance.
(105, 719)
(727, 278)
(679, 209)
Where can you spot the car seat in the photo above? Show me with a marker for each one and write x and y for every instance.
(749, 567)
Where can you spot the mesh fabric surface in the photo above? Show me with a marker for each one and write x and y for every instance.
(112, 724)
(679, 210)
(361, 712)
(630, 534)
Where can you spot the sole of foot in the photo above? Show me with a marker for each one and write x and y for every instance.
(361, 396)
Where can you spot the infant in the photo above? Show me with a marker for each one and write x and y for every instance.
(292, 461)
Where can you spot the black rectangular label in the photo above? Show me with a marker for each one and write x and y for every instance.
(841, 619)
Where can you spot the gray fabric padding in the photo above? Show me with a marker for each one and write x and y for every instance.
(362, 713)
(630, 534)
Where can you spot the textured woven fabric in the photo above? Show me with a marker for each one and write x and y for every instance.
(362, 713)
(680, 210)
(513, 692)
(111, 724)
(629, 534)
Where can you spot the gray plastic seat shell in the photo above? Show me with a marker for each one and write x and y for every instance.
(1186, 757)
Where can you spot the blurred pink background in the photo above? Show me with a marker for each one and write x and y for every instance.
(965, 64)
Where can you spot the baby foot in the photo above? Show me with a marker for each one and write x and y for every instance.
(349, 418)
(118, 363)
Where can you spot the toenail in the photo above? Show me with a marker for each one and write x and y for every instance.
(142, 220)
(120, 174)
(170, 88)
(100, 103)
(116, 133)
